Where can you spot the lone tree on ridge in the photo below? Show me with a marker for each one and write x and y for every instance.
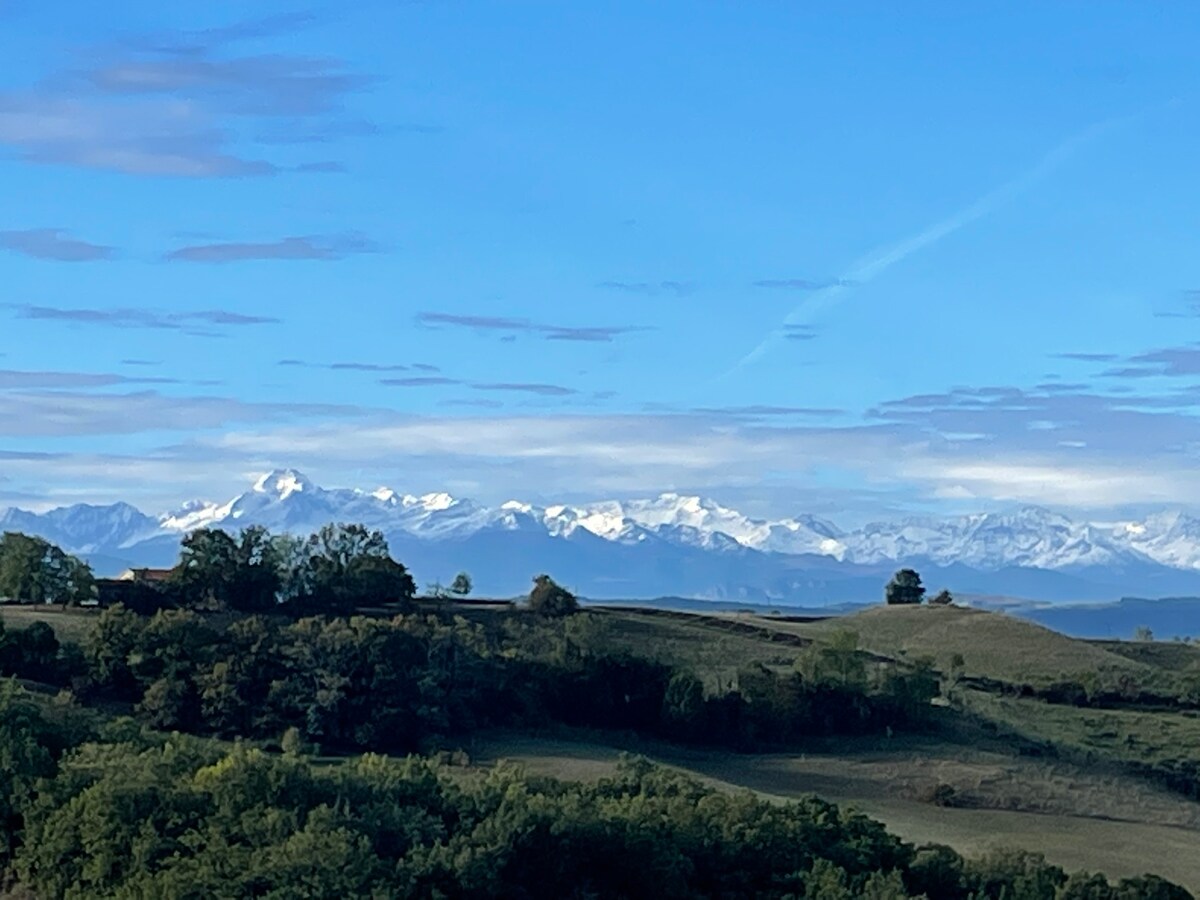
(905, 589)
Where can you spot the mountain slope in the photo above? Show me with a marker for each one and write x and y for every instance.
(671, 544)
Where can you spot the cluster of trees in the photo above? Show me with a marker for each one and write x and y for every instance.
(406, 683)
(905, 589)
(33, 570)
(336, 570)
(130, 813)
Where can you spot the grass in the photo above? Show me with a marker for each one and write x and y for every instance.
(706, 645)
(1170, 656)
(71, 625)
(1071, 823)
(993, 645)
(1125, 736)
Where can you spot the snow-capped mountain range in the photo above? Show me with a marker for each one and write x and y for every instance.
(670, 545)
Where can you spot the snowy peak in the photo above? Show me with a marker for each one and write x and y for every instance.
(286, 500)
(431, 502)
(282, 483)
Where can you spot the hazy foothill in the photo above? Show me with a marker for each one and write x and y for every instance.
(210, 722)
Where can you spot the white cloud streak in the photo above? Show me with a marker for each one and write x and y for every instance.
(879, 260)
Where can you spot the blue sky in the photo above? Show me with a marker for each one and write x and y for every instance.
(852, 260)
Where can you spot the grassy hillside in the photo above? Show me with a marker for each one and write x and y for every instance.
(993, 645)
(1097, 797)
(715, 647)
(1173, 656)
(69, 625)
(1080, 821)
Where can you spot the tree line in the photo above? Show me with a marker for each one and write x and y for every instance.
(411, 681)
(126, 812)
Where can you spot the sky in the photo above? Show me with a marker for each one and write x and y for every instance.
(856, 260)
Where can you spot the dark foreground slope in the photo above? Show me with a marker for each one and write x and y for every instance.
(961, 774)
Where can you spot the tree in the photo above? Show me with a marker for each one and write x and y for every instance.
(372, 579)
(20, 565)
(461, 586)
(259, 572)
(37, 650)
(33, 570)
(345, 566)
(683, 705)
(67, 580)
(1143, 634)
(218, 571)
(904, 589)
(207, 571)
(23, 760)
(548, 598)
(942, 598)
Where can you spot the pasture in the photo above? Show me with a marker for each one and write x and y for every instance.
(1118, 826)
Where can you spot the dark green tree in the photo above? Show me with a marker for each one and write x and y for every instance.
(346, 566)
(259, 572)
(683, 706)
(461, 586)
(23, 760)
(20, 567)
(942, 598)
(207, 571)
(219, 571)
(37, 651)
(550, 599)
(33, 570)
(905, 588)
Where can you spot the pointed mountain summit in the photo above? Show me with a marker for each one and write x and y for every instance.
(672, 543)
(283, 483)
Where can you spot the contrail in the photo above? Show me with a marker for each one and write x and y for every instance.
(883, 258)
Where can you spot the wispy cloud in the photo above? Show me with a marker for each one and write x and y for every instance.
(878, 261)
(1169, 362)
(471, 404)
(11, 378)
(139, 317)
(274, 85)
(200, 41)
(650, 288)
(360, 366)
(53, 244)
(799, 333)
(798, 284)
(982, 446)
(369, 367)
(543, 390)
(1088, 357)
(1190, 310)
(182, 104)
(289, 248)
(511, 327)
(816, 412)
(420, 381)
(58, 405)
